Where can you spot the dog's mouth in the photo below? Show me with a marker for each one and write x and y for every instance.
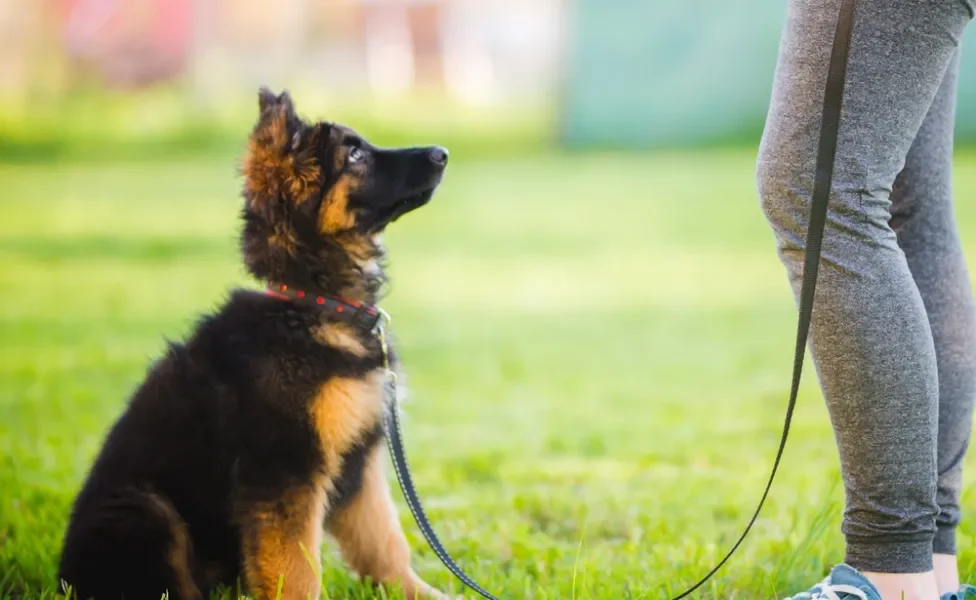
(406, 204)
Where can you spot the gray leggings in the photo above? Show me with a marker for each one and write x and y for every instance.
(894, 327)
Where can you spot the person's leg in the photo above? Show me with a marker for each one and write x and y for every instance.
(922, 217)
(871, 340)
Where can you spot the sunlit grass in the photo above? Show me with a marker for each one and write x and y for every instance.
(598, 349)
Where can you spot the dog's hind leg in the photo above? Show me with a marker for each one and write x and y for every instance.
(178, 557)
(370, 537)
(131, 544)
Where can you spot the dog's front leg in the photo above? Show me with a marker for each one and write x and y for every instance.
(369, 535)
(282, 545)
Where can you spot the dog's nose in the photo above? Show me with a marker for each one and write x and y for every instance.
(438, 155)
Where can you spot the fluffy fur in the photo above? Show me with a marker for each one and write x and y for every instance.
(260, 432)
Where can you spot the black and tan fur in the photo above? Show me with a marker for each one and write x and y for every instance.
(260, 433)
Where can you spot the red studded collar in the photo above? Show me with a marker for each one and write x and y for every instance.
(361, 315)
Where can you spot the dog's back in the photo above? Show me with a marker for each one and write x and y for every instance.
(161, 479)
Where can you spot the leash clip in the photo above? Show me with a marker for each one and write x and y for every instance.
(381, 329)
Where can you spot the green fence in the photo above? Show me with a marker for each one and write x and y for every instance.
(660, 73)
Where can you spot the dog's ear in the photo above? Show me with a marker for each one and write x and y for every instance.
(267, 100)
(280, 166)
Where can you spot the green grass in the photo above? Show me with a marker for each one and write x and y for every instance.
(598, 348)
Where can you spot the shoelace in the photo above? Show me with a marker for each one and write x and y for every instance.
(828, 591)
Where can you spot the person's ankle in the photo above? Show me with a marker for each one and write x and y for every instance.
(905, 586)
(946, 573)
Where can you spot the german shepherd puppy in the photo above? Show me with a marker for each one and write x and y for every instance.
(250, 439)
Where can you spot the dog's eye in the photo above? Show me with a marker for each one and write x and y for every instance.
(356, 155)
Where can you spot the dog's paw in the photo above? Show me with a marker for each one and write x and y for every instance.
(434, 594)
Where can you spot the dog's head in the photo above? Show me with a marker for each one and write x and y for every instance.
(317, 196)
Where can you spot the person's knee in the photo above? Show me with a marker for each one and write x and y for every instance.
(784, 193)
(858, 212)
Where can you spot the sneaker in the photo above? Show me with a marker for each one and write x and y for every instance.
(966, 592)
(843, 583)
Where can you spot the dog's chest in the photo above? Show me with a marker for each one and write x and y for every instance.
(346, 409)
(347, 416)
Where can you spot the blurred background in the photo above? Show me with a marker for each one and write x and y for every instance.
(115, 73)
(107, 74)
(596, 328)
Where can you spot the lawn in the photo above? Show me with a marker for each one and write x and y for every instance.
(598, 348)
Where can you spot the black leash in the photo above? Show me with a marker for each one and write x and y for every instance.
(394, 436)
(833, 99)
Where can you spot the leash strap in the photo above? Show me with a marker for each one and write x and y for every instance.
(822, 183)
(830, 123)
(394, 436)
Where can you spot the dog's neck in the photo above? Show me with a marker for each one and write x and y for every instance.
(342, 266)
(364, 283)
(350, 268)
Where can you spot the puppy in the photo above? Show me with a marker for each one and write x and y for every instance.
(262, 430)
